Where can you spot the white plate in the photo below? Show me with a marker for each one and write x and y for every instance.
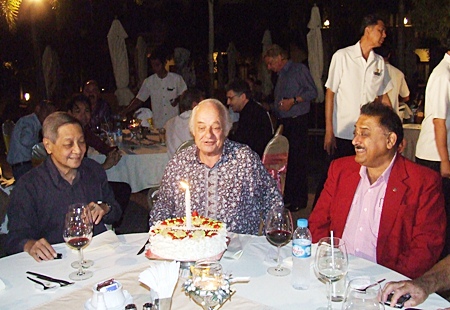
(128, 300)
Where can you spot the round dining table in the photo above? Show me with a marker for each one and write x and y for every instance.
(142, 164)
(115, 256)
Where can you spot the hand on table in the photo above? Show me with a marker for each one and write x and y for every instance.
(98, 210)
(417, 292)
(40, 249)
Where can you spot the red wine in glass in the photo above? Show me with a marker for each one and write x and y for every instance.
(78, 230)
(278, 232)
(279, 237)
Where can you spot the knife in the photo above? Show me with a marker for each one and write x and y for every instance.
(143, 248)
(47, 278)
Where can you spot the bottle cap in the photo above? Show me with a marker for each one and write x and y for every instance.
(302, 223)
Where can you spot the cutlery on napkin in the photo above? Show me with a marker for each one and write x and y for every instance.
(161, 277)
(50, 279)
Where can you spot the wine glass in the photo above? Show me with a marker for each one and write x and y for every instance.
(331, 262)
(78, 229)
(279, 233)
(363, 293)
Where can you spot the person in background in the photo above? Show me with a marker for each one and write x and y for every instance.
(25, 135)
(100, 109)
(227, 179)
(400, 92)
(79, 107)
(39, 202)
(164, 89)
(386, 208)
(293, 93)
(177, 128)
(437, 279)
(433, 145)
(356, 76)
(254, 127)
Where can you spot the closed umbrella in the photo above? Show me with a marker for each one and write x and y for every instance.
(51, 69)
(119, 59)
(315, 51)
(264, 74)
(231, 56)
(141, 60)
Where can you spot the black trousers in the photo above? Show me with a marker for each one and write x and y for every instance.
(296, 188)
(436, 166)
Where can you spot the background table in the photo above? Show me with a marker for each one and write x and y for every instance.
(141, 166)
(119, 260)
(411, 134)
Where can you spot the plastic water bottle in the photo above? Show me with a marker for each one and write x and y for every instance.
(301, 255)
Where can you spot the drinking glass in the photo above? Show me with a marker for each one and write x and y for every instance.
(207, 277)
(78, 230)
(359, 296)
(279, 233)
(331, 262)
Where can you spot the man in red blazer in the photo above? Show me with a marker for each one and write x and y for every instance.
(385, 207)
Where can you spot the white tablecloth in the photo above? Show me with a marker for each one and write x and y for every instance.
(140, 166)
(411, 134)
(121, 262)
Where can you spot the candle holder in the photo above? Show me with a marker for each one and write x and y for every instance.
(208, 287)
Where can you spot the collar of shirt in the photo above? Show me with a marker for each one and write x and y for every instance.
(384, 177)
(286, 67)
(55, 175)
(185, 114)
(227, 154)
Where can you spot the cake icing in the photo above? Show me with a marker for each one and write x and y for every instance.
(171, 238)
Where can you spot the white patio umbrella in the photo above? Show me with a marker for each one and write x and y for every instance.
(315, 51)
(50, 68)
(264, 74)
(141, 60)
(119, 58)
(231, 55)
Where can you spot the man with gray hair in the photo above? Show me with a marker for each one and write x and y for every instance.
(39, 202)
(227, 179)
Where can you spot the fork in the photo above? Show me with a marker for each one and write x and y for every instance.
(369, 286)
(45, 286)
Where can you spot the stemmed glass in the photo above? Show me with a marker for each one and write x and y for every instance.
(331, 262)
(78, 230)
(279, 233)
(361, 294)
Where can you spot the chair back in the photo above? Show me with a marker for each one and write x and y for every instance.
(275, 158)
(38, 154)
(184, 145)
(152, 197)
(7, 129)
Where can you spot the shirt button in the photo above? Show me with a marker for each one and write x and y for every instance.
(360, 229)
(357, 249)
(365, 209)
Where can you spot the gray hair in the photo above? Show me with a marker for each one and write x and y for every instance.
(56, 120)
(274, 50)
(223, 113)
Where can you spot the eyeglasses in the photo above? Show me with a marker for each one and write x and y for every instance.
(230, 98)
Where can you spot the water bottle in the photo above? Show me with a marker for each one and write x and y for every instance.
(119, 133)
(301, 255)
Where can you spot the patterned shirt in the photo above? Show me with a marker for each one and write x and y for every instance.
(237, 190)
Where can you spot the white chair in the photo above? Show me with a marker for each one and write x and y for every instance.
(275, 158)
(184, 145)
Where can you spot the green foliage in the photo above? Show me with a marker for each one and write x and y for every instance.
(10, 10)
(431, 18)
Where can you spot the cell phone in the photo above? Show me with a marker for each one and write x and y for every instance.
(400, 302)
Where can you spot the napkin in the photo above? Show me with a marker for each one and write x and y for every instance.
(106, 239)
(234, 249)
(144, 114)
(161, 277)
(2, 285)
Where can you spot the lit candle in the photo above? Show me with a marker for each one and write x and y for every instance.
(187, 199)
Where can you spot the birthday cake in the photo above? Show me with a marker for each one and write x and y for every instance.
(172, 239)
